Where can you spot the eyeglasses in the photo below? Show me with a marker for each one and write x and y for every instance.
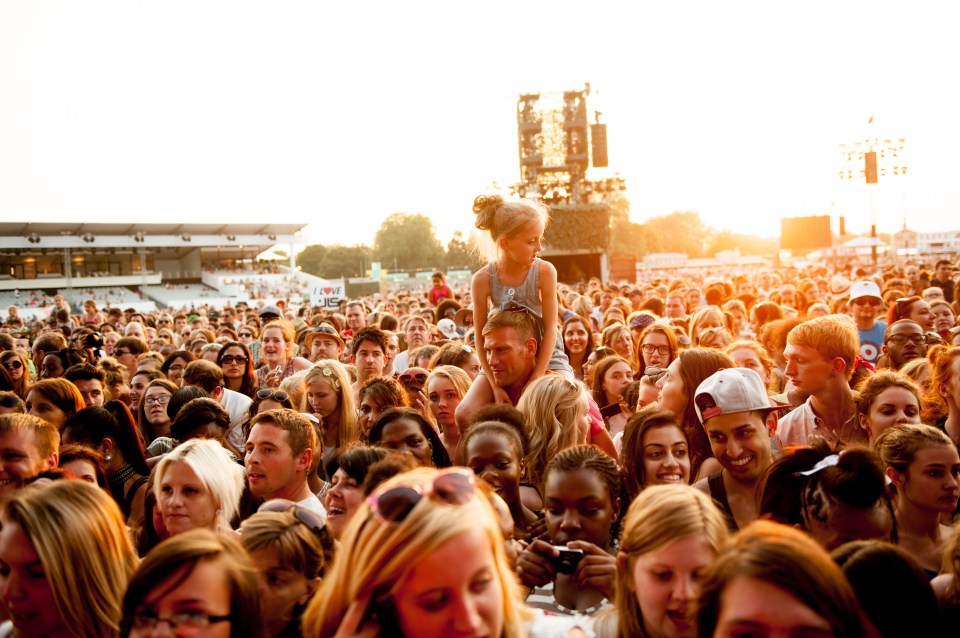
(277, 395)
(410, 378)
(120, 352)
(161, 400)
(190, 621)
(866, 301)
(12, 365)
(246, 335)
(453, 486)
(900, 340)
(230, 359)
(649, 348)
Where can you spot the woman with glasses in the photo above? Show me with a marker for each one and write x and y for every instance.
(327, 395)
(195, 584)
(376, 395)
(577, 343)
(152, 417)
(658, 347)
(17, 368)
(111, 432)
(291, 548)
(237, 365)
(174, 365)
(276, 355)
(913, 308)
(423, 557)
(65, 559)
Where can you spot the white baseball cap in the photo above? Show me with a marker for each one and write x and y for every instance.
(448, 329)
(865, 288)
(729, 391)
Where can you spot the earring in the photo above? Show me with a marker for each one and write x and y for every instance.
(107, 457)
(217, 514)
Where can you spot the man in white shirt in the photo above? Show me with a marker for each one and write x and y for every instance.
(279, 450)
(208, 375)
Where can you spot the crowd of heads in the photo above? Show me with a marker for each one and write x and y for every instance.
(756, 452)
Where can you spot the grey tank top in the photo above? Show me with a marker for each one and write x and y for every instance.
(526, 294)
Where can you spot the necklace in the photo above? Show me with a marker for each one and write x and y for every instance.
(120, 476)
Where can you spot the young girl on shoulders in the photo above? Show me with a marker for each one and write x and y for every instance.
(515, 274)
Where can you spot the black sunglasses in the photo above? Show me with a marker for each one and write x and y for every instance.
(228, 359)
(266, 393)
(13, 365)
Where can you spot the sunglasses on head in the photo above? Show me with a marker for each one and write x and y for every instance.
(314, 522)
(413, 378)
(453, 486)
(277, 395)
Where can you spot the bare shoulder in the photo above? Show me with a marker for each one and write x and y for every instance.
(703, 486)
(481, 277)
(546, 268)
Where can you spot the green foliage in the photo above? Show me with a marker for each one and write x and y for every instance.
(459, 254)
(334, 262)
(746, 244)
(407, 241)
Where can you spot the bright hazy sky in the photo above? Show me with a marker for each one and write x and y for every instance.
(346, 112)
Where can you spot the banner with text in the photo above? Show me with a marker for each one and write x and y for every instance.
(327, 294)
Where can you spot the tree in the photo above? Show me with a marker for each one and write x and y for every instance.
(678, 232)
(459, 254)
(334, 262)
(407, 241)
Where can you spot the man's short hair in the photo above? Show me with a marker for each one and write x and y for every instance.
(899, 322)
(409, 320)
(46, 437)
(197, 412)
(524, 322)
(203, 374)
(943, 262)
(136, 345)
(84, 372)
(832, 336)
(372, 334)
(300, 432)
(50, 341)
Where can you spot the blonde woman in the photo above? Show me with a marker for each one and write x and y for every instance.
(324, 397)
(556, 409)
(422, 531)
(198, 485)
(67, 558)
(671, 533)
(445, 387)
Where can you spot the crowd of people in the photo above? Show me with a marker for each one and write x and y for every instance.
(771, 452)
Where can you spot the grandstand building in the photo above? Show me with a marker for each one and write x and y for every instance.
(143, 265)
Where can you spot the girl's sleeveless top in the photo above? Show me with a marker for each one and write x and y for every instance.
(528, 294)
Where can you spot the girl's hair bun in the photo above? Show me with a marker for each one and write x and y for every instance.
(485, 208)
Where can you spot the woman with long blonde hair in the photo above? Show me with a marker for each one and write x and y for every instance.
(422, 531)
(67, 558)
(556, 409)
(327, 395)
(669, 529)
